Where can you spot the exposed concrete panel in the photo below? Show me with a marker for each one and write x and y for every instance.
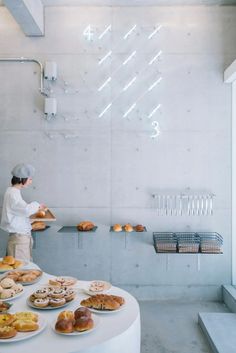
(29, 14)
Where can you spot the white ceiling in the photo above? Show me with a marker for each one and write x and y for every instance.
(133, 2)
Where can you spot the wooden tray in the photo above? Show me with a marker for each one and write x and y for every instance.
(49, 217)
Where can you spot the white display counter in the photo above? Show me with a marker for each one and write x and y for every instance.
(117, 331)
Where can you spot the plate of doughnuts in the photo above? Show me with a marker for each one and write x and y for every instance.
(9, 289)
(25, 277)
(104, 303)
(8, 263)
(96, 287)
(20, 326)
(76, 323)
(49, 298)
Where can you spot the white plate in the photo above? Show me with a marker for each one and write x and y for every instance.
(66, 277)
(96, 321)
(122, 307)
(12, 298)
(24, 263)
(20, 336)
(37, 279)
(89, 292)
(29, 303)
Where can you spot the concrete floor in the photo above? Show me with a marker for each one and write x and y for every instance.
(172, 327)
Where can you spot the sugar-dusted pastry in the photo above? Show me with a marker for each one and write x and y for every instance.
(57, 301)
(17, 287)
(41, 293)
(7, 283)
(41, 302)
(7, 293)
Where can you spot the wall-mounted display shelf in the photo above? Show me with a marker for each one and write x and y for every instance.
(74, 230)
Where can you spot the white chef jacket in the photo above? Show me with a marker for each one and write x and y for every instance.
(16, 212)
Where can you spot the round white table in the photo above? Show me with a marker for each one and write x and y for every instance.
(117, 331)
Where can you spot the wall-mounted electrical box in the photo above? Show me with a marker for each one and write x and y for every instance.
(50, 70)
(50, 107)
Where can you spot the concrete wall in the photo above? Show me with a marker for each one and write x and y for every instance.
(108, 168)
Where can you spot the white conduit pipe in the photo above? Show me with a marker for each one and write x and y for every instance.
(22, 60)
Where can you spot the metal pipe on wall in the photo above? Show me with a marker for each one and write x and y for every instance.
(29, 60)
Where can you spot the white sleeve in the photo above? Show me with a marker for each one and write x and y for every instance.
(20, 208)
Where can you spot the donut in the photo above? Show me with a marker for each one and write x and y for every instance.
(41, 302)
(57, 301)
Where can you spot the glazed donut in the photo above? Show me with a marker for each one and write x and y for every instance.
(64, 326)
(84, 323)
(41, 293)
(41, 302)
(82, 311)
(57, 301)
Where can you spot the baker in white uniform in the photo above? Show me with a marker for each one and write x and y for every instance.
(16, 212)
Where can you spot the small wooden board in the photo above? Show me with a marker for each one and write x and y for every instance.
(49, 217)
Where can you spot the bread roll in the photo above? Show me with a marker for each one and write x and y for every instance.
(40, 214)
(139, 228)
(38, 225)
(128, 228)
(64, 326)
(117, 228)
(5, 267)
(83, 323)
(82, 312)
(66, 315)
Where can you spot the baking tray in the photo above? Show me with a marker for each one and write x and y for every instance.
(40, 230)
(49, 217)
(73, 229)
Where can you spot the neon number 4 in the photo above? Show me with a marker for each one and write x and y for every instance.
(88, 33)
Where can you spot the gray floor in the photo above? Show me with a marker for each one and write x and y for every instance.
(172, 327)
